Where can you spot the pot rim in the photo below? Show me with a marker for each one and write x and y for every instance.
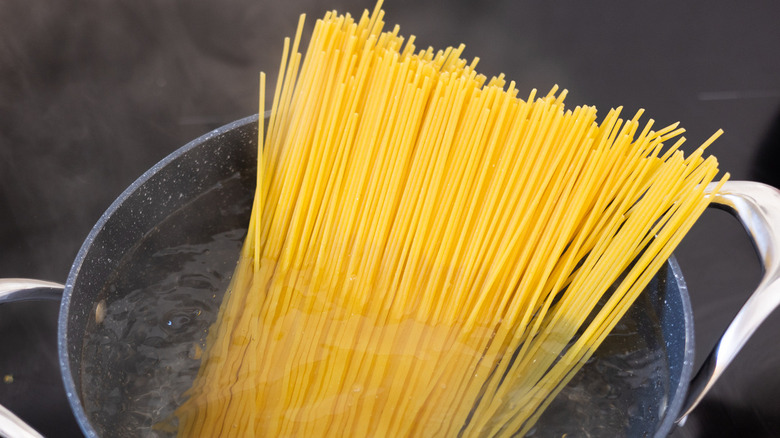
(677, 401)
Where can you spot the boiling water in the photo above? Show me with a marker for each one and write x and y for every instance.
(622, 390)
(142, 348)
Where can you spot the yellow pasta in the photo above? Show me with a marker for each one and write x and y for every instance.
(425, 247)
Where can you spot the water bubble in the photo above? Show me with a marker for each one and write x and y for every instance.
(179, 320)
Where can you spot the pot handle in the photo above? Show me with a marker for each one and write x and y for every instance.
(12, 426)
(25, 289)
(757, 206)
(22, 289)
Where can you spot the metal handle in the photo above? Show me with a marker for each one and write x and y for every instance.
(757, 206)
(22, 289)
(12, 426)
(25, 289)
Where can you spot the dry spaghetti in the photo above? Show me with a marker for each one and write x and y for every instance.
(425, 248)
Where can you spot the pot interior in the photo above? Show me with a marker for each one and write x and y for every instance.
(149, 280)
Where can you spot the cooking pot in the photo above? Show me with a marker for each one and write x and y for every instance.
(150, 276)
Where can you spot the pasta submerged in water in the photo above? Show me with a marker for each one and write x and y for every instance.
(427, 251)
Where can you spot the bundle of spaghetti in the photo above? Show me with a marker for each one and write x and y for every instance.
(427, 252)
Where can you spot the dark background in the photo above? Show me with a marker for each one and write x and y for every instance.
(94, 92)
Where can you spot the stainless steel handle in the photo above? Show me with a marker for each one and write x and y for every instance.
(22, 289)
(25, 289)
(757, 206)
(12, 426)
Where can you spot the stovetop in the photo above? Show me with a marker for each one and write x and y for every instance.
(94, 93)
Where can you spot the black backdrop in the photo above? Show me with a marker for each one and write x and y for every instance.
(93, 92)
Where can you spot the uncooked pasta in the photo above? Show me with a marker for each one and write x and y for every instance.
(430, 254)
